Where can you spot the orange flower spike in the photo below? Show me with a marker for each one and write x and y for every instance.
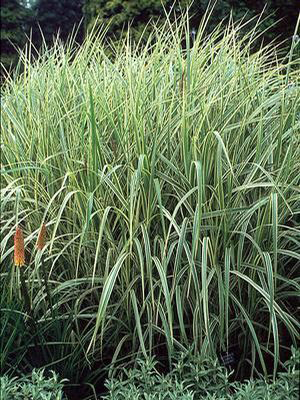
(19, 254)
(40, 244)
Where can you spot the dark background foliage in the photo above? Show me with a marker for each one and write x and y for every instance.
(15, 19)
(57, 16)
(20, 17)
(140, 12)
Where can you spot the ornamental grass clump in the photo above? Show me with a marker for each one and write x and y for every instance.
(169, 174)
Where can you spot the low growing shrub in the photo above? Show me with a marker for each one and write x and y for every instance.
(36, 387)
(200, 380)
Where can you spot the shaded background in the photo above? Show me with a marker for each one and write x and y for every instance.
(22, 18)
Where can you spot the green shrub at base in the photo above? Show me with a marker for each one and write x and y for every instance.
(198, 379)
(191, 378)
(36, 387)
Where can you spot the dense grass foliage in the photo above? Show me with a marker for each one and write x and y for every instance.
(168, 179)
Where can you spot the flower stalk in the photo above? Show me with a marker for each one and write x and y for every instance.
(19, 261)
(40, 244)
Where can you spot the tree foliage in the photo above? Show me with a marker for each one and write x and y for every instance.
(54, 17)
(119, 15)
(51, 17)
(15, 20)
(138, 13)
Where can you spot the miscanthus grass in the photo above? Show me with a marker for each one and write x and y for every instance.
(168, 175)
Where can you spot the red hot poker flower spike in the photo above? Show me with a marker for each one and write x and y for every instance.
(40, 244)
(19, 254)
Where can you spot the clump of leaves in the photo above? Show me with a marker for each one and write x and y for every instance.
(177, 221)
(145, 382)
(36, 387)
(193, 378)
(203, 375)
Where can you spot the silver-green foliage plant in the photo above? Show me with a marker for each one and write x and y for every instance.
(202, 380)
(191, 377)
(168, 178)
(36, 387)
